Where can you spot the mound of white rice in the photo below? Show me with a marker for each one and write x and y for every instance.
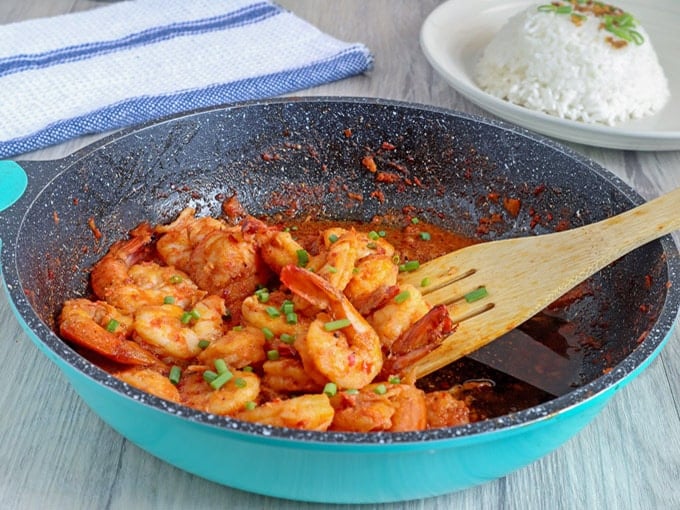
(569, 65)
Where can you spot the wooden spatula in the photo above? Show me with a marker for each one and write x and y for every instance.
(490, 288)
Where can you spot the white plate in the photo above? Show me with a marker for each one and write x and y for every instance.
(455, 33)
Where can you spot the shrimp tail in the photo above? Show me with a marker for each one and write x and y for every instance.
(423, 337)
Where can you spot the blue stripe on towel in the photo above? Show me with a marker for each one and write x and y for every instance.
(251, 14)
(354, 60)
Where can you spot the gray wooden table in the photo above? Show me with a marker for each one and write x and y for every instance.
(55, 453)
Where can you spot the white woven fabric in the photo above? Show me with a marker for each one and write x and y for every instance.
(134, 61)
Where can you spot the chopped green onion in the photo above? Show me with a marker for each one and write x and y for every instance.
(380, 389)
(396, 259)
(401, 297)
(336, 325)
(250, 405)
(209, 376)
(333, 238)
(221, 380)
(169, 300)
(425, 236)
(262, 294)
(247, 368)
(272, 311)
(188, 316)
(240, 382)
(175, 374)
(394, 380)
(273, 355)
(476, 294)
(352, 391)
(221, 366)
(330, 389)
(202, 344)
(415, 220)
(237, 328)
(373, 235)
(372, 246)
(268, 333)
(302, 257)
(331, 269)
(425, 282)
(287, 306)
(112, 325)
(382, 233)
(291, 318)
(287, 339)
(409, 266)
(175, 278)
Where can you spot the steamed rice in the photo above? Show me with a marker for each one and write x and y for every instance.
(568, 65)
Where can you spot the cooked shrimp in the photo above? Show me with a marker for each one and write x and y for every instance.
(372, 273)
(170, 331)
(339, 259)
(149, 380)
(238, 348)
(445, 410)
(350, 356)
(229, 399)
(309, 412)
(398, 315)
(279, 249)
(268, 315)
(288, 375)
(103, 329)
(112, 269)
(384, 406)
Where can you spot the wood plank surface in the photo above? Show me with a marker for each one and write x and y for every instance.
(55, 453)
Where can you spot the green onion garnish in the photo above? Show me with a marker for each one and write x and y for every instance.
(409, 266)
(394, 380)
(330, 389)
(272, 311)
(273, 355)
(287, 306)
(262, 294)
(169, 300)
(221, 366)
(352, 391)
(202, 344)
(373, 235)
(302, 257)
(380, 389)
(221, 380)
(425, 282)
(175, 374)
(250, 405)
(401, 297)
(175, 279)
(240, 382)
(188, 316)
(291, 318)
(336, 325)
(333, 238)
(287, 339)
(112, 325)
(268, 334)
(209, 376)
(247, 368)
(415, 220)
(476, 294)
(331, 269)
(425, 236)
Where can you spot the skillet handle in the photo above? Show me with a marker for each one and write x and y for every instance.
(13, 182)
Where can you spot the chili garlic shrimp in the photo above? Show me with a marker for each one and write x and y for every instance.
(349, 355)
(149, 380)
(268, 315)
(399, 314)
(229, 399)
(380, 407)
(288, 375)
(103, 329)
(172, 332)
(308, 412)
(222, 259)
(239, 348)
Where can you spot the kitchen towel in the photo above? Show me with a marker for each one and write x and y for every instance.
(134, 61)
